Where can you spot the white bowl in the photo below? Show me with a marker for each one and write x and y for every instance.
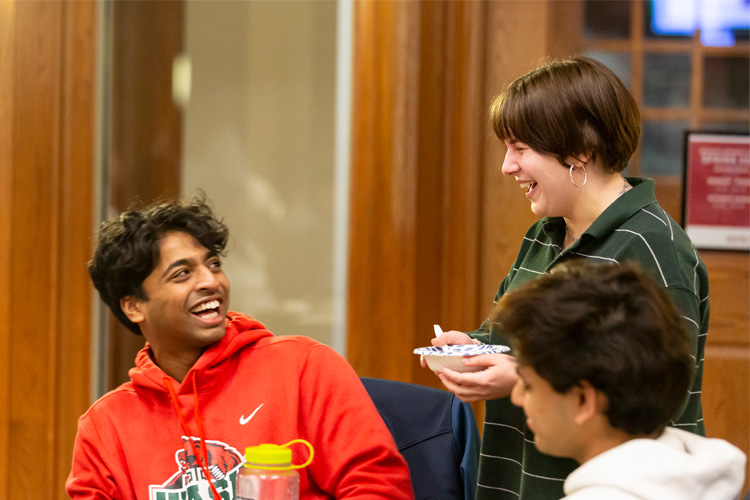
(450, 356)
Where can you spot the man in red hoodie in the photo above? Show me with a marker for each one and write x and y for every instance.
(210, 382)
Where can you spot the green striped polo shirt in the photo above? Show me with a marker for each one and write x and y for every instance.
(634, 227)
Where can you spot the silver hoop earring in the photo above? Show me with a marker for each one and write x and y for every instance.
(585, 175)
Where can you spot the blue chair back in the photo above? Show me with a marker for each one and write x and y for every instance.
(435, 432)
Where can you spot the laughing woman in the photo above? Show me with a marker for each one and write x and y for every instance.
(570, 128)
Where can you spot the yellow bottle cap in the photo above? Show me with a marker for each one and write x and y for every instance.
(274, 457)
(269, 454)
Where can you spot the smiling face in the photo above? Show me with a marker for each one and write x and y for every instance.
(550, 415)
(186, 305)
(546, 182)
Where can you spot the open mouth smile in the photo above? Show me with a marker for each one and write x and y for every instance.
(207, 310)
(528, 186)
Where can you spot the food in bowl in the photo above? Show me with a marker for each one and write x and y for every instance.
(449, 356)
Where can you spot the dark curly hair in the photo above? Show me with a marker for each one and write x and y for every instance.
(610, 325)
(128, 247)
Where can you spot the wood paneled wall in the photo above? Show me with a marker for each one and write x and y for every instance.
(47, 94)
(418, 130)
(726, 372)
(146, 130)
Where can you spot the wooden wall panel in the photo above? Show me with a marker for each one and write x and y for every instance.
(416, 172)
(726, 376)
(465, 132)
(726, 391)
(146, 128)
(382, 187)
(46, 152)
(75, 207)
(146, 125)
(7, 38)
(34, 198)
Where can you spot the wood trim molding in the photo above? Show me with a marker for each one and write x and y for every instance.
(46, 149)
(7, 69)
(417, 136)
(75, 206)
(146, 130)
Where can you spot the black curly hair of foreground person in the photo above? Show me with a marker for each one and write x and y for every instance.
(610, 325)
(128, 247)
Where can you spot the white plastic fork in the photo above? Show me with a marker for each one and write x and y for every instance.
(438, 331)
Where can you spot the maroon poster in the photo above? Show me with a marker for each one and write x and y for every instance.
(717, 191)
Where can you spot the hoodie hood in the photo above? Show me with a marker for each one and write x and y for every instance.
(241, 330)
(677, 465)
(212, 367)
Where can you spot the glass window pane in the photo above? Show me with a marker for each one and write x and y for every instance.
(619, 62)
(661, 148)
(741, 35)
(610, 19)
(259, 140)
(726, 82)
(666, 80)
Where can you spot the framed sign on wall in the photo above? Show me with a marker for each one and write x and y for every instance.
(716, 201)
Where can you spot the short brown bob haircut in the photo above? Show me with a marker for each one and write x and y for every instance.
(571, 108)
(610, 325)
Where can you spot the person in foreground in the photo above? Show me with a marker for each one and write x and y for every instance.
(603, 360)
(210, 383)
(570, 128)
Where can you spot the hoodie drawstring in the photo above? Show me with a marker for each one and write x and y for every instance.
(202, 457)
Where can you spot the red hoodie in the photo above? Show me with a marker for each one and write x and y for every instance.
(138, 442)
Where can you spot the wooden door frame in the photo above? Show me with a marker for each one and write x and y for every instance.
(47, 94)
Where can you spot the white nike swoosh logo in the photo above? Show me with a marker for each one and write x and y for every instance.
(244, 420)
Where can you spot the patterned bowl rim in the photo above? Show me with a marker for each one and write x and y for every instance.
(461, 350)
